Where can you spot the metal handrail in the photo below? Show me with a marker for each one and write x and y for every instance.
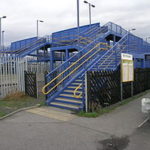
(27, 46)
(112, 59)
(108, 51)
(71, 57)
(43, 89)
(75, 91)
(78, 36)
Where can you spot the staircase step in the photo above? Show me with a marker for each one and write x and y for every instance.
(67, 101)
(76, 83)
(68, 95)
(107, 64)
(73, 87)
(78, 80)
(64, 106)
(71, 91)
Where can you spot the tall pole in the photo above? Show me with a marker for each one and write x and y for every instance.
(78, 18)
(90, 16)
(90, 6)
(78, 14)
(37, 28)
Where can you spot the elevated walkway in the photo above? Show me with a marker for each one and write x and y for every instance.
(65, 86)
(93, 48)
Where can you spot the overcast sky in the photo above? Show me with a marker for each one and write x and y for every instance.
(61, 14)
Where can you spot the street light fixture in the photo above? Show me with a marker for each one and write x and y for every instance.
(90, 5)
(3, 17)
(133, 29)
(37, 27)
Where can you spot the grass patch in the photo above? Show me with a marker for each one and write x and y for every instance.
(17, 101)
(2, 114)
(88, 114)
(112, 107)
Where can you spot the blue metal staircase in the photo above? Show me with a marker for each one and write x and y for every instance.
(96, 48)
(66, 99)
(74, 41)
(65, 84)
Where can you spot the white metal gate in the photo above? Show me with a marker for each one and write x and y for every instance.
(11, 74)
(12, 71)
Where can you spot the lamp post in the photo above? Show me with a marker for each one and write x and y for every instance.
(37, 27)
(3, 39)
(90, 5)
(78, 19)
(1, 30)
(78, 14)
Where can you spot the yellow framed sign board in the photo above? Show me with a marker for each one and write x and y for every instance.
(127, 68)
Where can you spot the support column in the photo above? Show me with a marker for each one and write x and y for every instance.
(67, 54)
(108, 42)
(51, 60)
(144, 62)
(114, 42)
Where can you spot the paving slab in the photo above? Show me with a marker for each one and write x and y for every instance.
(54, 114)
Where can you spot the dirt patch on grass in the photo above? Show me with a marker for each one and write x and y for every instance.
(15, 96)
(16, 101)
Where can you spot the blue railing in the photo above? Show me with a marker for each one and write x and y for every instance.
(111, 54)
(26, 48)
(116, 28)
(66, 70)
(74, 39)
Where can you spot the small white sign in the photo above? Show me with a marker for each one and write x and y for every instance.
(125, 56)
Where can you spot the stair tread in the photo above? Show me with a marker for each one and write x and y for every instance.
(78, 80)
(68, 100)
(76, 83)
(73, 87)
(65, 105)
(72, 91)
(69, 95)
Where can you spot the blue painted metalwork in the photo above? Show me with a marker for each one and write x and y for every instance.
(22, 43)
(70, 48)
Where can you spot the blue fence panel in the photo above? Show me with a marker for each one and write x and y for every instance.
(22, 43)
(70, 34)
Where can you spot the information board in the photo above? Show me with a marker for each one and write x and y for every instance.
(127, 68)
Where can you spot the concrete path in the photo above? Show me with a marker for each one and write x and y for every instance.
(54, 129)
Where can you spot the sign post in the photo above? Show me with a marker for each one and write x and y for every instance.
(127, 71)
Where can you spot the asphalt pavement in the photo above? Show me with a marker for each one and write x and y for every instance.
(56, 129)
